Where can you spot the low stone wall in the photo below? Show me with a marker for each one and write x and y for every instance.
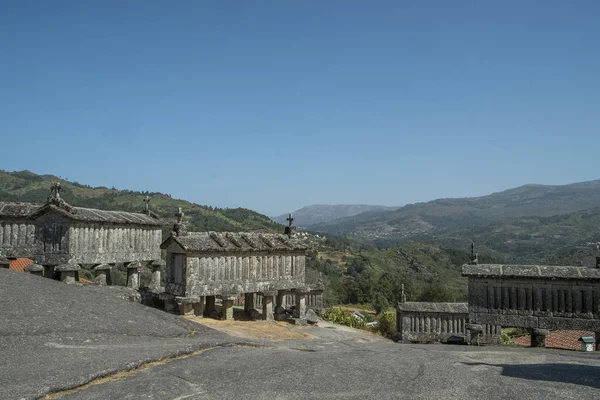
(438, 322)
(431, 322)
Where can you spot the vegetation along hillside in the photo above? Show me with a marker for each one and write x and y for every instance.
(361, 274)
(29, 187)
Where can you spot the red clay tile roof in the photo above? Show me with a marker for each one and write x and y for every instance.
(19, 264)
(567, 340)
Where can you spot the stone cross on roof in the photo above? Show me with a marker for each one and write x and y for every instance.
(473, 256)
(147, 204)
(179, 214)
(402, 295)
(54, 192)
(290, 219)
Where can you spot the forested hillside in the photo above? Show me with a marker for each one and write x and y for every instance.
(29, 187)
(356, 274)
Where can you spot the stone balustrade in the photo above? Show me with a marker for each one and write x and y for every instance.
(438, 322)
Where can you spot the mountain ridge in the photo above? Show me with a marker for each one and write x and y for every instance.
(317, 213)
(523, 201)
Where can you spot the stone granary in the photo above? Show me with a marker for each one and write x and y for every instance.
(62, 237)
(538, 297)
(202, 265)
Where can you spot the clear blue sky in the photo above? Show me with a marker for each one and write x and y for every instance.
(273, 105)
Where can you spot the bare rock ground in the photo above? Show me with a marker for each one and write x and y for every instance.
(55, 337)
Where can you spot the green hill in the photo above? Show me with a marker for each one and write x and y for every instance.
(29, 187)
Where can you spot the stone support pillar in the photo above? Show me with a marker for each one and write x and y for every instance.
(156, 265)
(300, 311)
(133, 278)
(168, 300)
(102, 273)
(538, 337)
(597, 336)
(248, 303)
(227, 307)
(69, 273)
(199, 308)
(185, 308)
(475, 333)
(49, 271)
(267, 305)
(280, 314)
(187, 305)
(35, 269)
(210, 306)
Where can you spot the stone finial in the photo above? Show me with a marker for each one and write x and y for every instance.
(55, 199)
(179, 214)
(473, 256)
(289, 230)
(402, 295)
(179, 229)
(147, 204)
(54, 195)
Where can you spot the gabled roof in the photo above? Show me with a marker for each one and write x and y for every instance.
(530, 271)
(93, 215)
(457, 308)
(234, 242)
(33, 211)
(17, 210)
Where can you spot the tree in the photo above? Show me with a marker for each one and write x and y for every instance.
(436, 293)
(380, 303)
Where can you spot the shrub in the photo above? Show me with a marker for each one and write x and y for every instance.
(339, 316)
(387, 323)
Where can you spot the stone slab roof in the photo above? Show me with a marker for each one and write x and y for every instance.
(234, 242)
(18, 210)
(32, 211)
(530, 271)
(457, 308)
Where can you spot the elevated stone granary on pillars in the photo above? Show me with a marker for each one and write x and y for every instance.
(202, 265)
(56, 233)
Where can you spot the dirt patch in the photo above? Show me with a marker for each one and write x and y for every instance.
(267, 330)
